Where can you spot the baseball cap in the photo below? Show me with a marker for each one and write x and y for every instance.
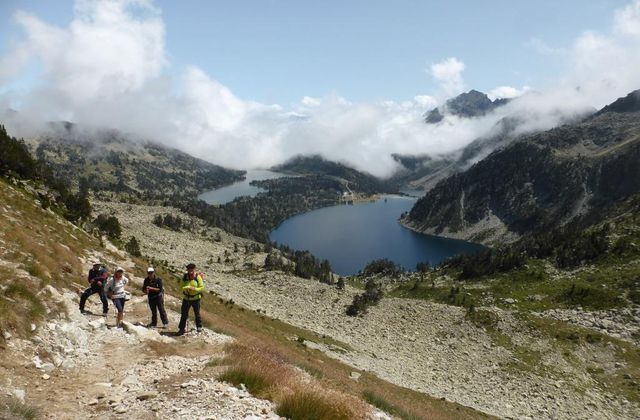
(150, 270)
(119, 269)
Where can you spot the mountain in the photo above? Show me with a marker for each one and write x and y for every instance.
(109, 161)
(467, 105)
(574, 172)
(354, 179)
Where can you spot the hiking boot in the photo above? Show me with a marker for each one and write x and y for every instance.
(151, 325)
(180, 332)
(165, 326)
(83, 312)
(199, 330)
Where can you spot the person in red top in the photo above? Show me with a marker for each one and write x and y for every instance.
(97, 278)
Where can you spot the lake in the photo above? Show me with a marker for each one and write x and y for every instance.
(239, 189)
(350, 236)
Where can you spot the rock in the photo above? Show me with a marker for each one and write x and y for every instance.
(510, 301)
(93, 402)
(7, 335)
(147, 395)
(355, 375)
(130, 380)
(189, 384)
(145, 334)
(33, 327)
(48, 367)
(120, 409)
(46, 377)
(68, 364)
(19, 394)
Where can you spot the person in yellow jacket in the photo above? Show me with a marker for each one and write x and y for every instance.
(192, 288)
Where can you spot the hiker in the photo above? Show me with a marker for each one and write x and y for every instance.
(152, 286)
(97, 278)
(192, 287)
(115, 291)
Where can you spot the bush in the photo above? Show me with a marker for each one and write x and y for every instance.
(382, 266)
(13, 408)
(133, 247)
(109, 225)
(371, 296)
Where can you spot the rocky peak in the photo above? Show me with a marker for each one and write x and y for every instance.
(630, 103)
(469, 104)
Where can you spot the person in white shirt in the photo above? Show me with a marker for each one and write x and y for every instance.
(115, 291)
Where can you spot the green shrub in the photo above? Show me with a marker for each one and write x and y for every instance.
(590, 297)
(256, 383)
(133, 247)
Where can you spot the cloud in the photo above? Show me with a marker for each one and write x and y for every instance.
(109, 68)
(449, 74)
(506, 92)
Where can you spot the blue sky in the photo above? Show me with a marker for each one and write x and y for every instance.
(249, 84)
(278, 51)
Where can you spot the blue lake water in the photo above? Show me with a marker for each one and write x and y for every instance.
(350, 236)
(239, 189)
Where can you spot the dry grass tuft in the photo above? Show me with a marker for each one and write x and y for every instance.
(267, 374)
(12, 408)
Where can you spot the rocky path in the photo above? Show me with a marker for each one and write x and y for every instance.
(84, 367)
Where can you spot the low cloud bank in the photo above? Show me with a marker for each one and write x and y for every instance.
(110, 68)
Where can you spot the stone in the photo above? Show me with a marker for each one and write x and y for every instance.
(120, 409)
(19, 394)
(93, 402)
(143, 396)
(7, 335)
(33, 327)
(46, 377)
(48, 367)
(355, 375)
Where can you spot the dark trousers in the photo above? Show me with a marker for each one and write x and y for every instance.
(156, 304)
(184, 313)
(90, 291)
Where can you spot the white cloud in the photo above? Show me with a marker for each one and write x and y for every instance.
(627, 20)
(506, 92)
(108, 68)
(449, 74)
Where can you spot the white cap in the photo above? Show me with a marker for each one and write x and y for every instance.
(119, 269)
(150, 270)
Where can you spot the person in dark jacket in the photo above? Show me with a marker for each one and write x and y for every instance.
(192, 287)
(97, 278)
(152, 286)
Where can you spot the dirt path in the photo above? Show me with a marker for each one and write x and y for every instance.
(84, 367)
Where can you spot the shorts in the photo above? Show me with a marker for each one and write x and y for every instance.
(119, 304)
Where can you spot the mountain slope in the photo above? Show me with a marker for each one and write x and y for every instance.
(541, 181)
(108, 161)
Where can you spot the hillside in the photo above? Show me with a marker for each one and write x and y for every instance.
(353, 179)
(568, 174)
(66, 365)
(109, 162)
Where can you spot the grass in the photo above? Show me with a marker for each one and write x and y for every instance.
(384, 405)
(267, 374)
(13, 408)
(315, 404)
